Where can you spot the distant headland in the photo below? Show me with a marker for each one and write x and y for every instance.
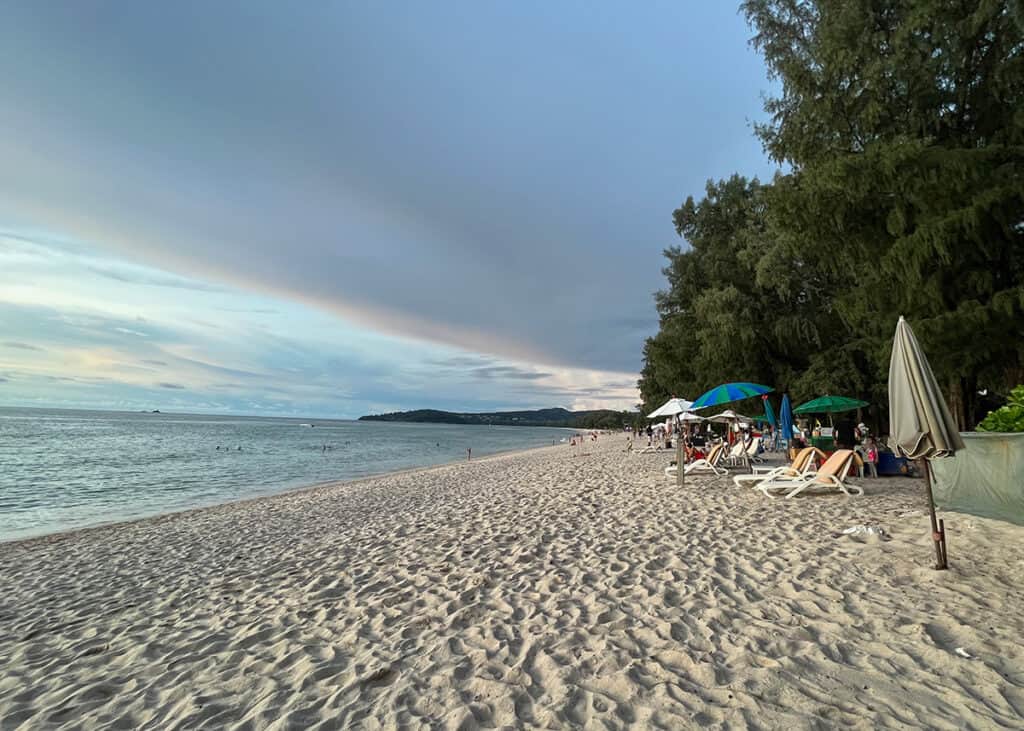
(596, 419)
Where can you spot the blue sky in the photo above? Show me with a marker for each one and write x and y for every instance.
(335, 208)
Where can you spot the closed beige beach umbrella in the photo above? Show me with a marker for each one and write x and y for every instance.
(920, 425)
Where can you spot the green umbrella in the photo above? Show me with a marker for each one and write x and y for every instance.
(829, 405)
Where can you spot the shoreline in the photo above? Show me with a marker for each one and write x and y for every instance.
(113, 524)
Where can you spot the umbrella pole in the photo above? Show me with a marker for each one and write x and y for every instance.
(680, 465)
(743, 441)
(938, 527)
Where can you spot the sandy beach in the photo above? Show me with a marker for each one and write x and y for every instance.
(540, 589)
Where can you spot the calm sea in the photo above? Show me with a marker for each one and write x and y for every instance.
(69, 469)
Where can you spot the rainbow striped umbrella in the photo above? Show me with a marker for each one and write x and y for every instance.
(729, 392)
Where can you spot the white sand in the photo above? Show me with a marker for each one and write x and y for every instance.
(538, 589)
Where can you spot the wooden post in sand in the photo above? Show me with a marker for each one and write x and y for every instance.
(938, 526)
(680, 467)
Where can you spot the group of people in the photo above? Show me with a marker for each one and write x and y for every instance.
(658, 435)
(848, 435)
(578, 439)
(866, 446)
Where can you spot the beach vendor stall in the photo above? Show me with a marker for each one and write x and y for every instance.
(825, 438)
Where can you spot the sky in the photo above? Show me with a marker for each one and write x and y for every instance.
(342, 208)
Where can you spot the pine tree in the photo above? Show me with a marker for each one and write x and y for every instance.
(903, 122)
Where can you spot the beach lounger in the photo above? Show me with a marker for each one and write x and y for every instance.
(735, 456)
(803, 464)
(830, 476)
(708, 464)
(752, 450)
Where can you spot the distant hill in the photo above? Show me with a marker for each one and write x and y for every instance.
(598, 419)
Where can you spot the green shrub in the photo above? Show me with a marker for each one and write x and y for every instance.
(1009, 418)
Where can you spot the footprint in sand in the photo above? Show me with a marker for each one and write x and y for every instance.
(380, 678)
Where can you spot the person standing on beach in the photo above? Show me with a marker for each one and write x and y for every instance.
(843, 434)
(871, 455)
(469, 453)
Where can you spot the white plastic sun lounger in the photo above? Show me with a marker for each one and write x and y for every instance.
(805, 463)
(752, 450)
(735, 456)
(830, 476)
(706, 465)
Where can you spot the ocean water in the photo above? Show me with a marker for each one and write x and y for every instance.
(70, 469)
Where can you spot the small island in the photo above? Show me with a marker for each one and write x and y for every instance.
(596, 419)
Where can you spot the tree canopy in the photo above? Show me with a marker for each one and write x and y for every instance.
(901, 123)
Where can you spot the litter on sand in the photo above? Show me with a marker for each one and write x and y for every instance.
(869, 530)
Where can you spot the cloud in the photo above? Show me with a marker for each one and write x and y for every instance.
(492, 201)
(21, 346)
(305, 364)
(131, 275)
(460, 361)
(490, 372)
(621, 384)
(163, 384)
(486, 368)
(74, 379)
(252, 310)
(3, 380)
(129, 331)
(229, 386)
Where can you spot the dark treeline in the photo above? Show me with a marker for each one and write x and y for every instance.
(899, 130)
(595, 419)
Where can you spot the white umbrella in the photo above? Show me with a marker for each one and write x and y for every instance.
(728, 416)
(691, 418)
(920, 425)
(670, 408)
(731, 417)
(673, 407)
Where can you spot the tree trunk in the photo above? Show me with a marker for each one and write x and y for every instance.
(1014, 375)
(970, 395)
(956, 404)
